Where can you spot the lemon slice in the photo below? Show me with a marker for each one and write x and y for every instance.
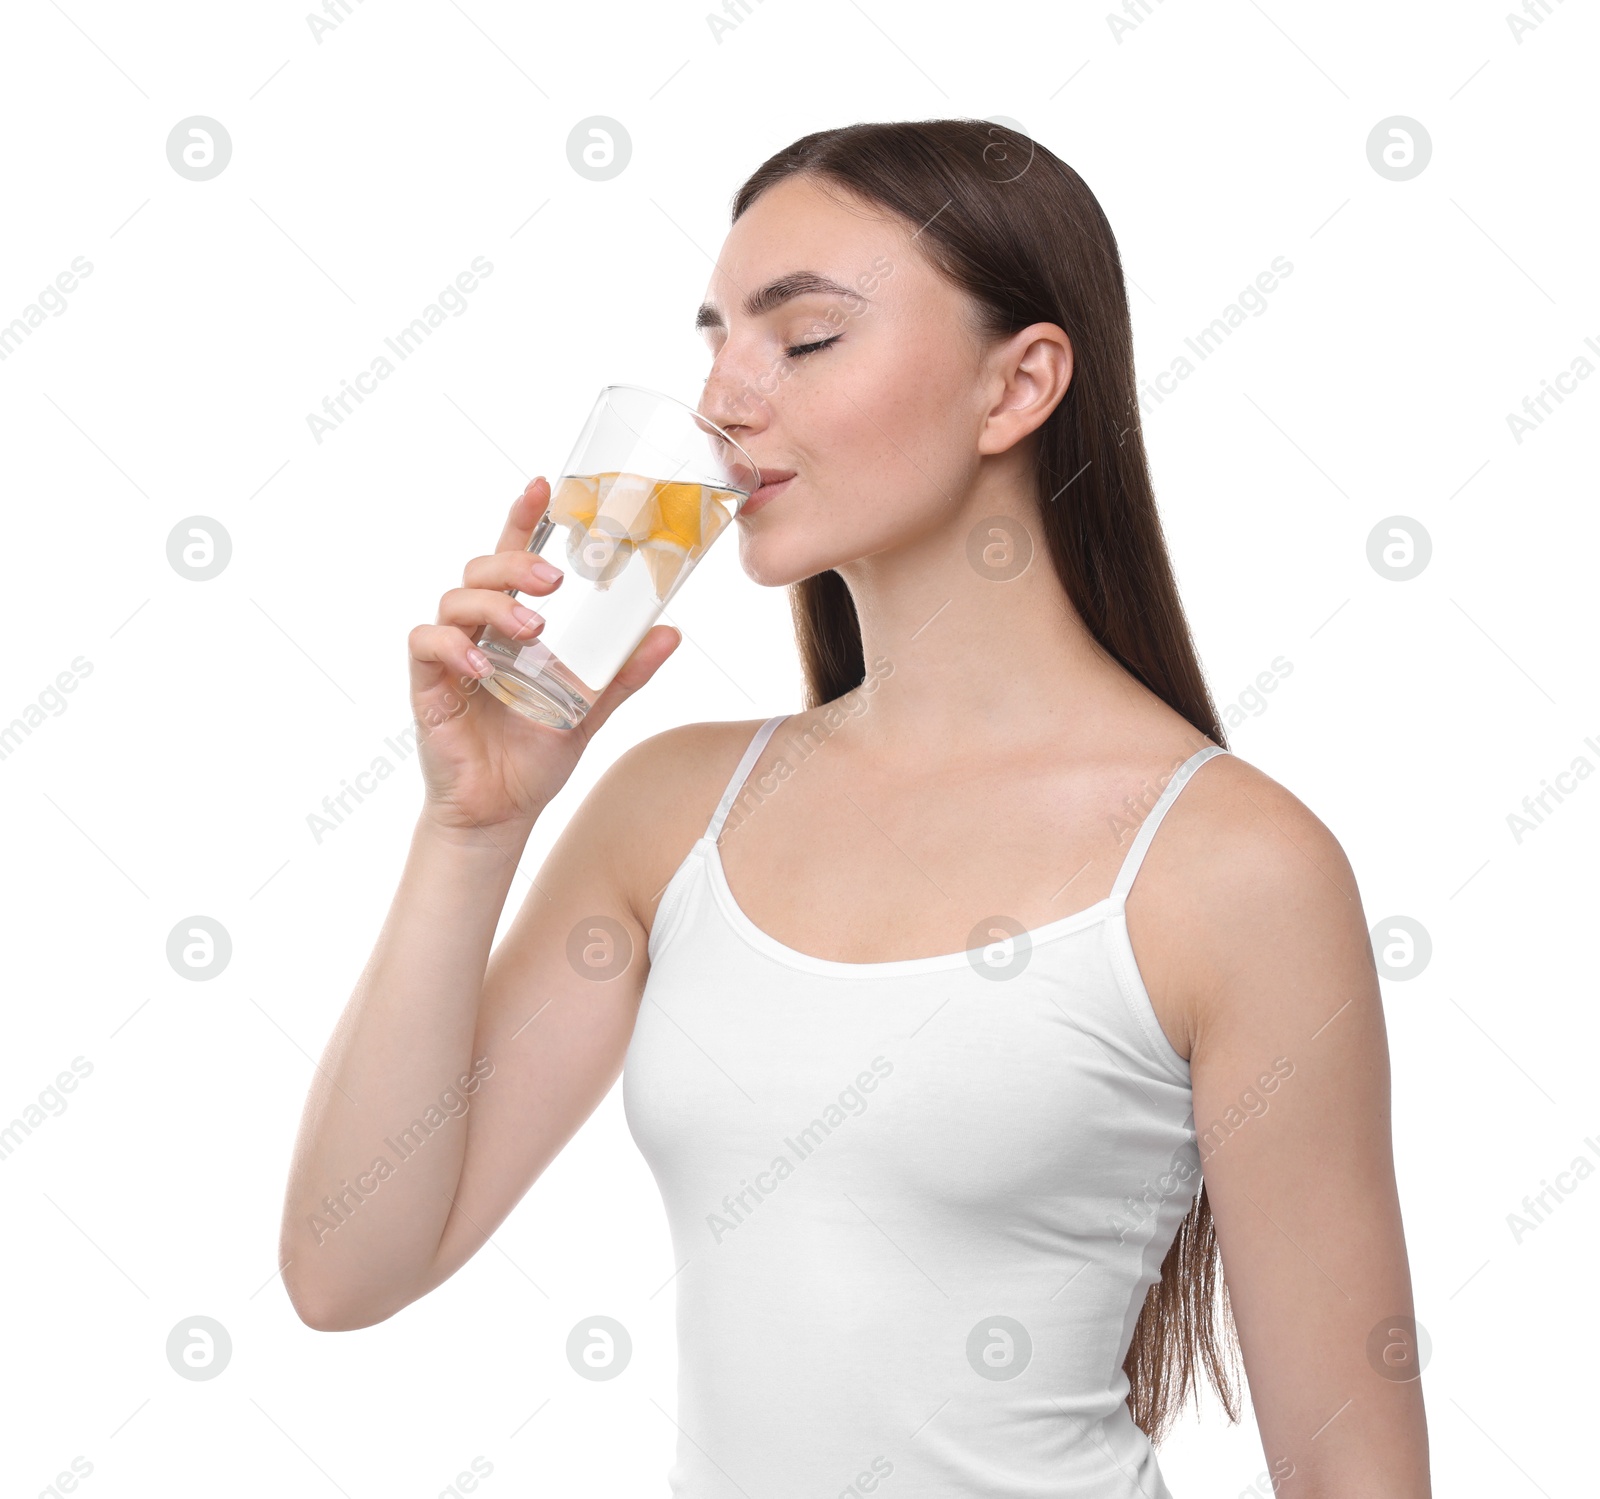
(694, 514)
(715, 514)
(689, 518)
(680, 508)
(628, 504)
(574, 500)
(673, 537)
(665, 559)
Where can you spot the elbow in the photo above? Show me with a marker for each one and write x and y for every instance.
(333, 1316)
(323, 1311)
(318, 1314)
(336, 1297)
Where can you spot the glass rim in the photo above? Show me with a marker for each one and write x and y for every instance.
(699, 416)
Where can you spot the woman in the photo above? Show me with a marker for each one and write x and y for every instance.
(926, 1075)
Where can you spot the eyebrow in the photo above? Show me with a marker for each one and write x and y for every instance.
(775, 294)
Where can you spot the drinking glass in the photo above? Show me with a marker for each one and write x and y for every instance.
(649, 487)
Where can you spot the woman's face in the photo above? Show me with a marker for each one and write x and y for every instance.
(882, 424)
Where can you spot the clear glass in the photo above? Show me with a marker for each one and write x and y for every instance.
(649, 487)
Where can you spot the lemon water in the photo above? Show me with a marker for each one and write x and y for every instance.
(629, 542)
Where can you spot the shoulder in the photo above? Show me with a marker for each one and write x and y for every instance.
(684, 767)
(1257, 841)
(657, 796)
(1245, 891)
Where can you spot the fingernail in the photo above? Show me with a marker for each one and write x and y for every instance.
(547, 572)
(526, 616)
(479, 662)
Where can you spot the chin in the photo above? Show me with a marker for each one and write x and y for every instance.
(776, 560)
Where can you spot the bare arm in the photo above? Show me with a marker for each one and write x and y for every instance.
(412, 1072)
(454, 1078)
(1290, 1071)
(381, 1137)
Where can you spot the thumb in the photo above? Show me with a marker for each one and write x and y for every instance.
(660, 641)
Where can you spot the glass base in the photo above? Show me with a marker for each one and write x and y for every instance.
(547, 693)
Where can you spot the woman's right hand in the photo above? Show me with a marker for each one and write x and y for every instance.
(486, 769)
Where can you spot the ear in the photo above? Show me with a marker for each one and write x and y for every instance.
(1031, 371)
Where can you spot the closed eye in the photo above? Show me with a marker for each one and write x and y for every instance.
(794, 351)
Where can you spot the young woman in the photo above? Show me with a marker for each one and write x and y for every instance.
(926, 1034)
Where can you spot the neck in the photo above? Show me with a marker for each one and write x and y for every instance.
(980, 647)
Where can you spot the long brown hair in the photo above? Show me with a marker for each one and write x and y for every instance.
(1018, 230)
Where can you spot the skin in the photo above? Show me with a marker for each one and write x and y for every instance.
(918, 817)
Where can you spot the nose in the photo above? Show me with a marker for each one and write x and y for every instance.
(730, 399)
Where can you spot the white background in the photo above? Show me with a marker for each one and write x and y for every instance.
(371, 167)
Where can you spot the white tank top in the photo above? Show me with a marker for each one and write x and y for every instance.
(915, 1205)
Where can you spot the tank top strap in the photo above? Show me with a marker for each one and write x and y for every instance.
(741, 771)
(1147, 829)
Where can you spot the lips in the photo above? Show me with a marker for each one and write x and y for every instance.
(772, 482)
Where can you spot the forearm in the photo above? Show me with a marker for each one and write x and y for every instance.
(373, 1171)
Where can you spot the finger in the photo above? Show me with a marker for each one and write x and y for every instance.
(474, 609)
(527, 571)
(659, 643)
(524, 515)
(438, 650)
